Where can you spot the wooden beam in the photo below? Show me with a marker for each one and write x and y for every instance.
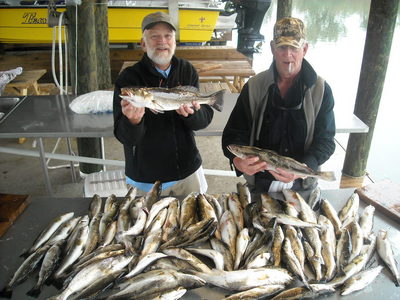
(102, 46)
(284, 9)
(87, 74)
(381, 25)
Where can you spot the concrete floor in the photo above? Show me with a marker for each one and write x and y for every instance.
(24, 175)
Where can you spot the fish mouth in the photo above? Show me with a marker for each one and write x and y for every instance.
(232, 149)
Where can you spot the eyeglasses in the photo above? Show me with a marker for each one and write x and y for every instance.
(285, 48)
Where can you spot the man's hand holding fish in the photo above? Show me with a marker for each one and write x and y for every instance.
(252, 164)
(284, 176)
(185, 109)
(249, 165)
(133, 113)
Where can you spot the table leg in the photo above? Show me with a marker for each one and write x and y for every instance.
(236, 82)
(231, 86)
(71, 163)
(36, 88)
(241, 83)
(46, 172)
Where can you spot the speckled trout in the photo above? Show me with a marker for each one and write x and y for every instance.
(274, 161)
(162, 99)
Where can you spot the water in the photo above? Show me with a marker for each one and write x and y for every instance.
(336, 32)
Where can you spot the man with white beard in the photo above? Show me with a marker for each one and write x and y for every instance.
(160, 147)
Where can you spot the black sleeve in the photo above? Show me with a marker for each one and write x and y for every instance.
(124, 130)
(238, 128)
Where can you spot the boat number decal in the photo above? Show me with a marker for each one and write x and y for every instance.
(31, 18)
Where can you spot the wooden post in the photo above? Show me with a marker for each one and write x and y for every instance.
(87, 70)
(173, 11)
(86, 48)
(284, 9)
(381, 24)
(102, 45)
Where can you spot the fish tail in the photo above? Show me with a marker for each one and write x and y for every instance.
(6, 292)
(219, 100)
(58, 283)
(328, 176)
(35, 291)
(25, 254)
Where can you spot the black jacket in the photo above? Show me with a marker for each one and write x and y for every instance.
(162, 146)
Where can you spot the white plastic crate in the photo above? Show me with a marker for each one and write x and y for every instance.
(106, 183)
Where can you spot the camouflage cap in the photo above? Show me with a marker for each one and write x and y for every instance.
(157, 17)
(290, 32)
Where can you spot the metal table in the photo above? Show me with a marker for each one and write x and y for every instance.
(23, 232)
(50, 117)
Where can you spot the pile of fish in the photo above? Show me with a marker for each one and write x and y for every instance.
(158, 248)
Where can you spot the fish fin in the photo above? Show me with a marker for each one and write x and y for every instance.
(306, 284)
(24, 254)
(126, 97)
(59, 283)
(187, 88)
(156, 111)
(34, 292)
(328, 176)
(218, 104)
(367, 240)
(134, 101)
(6, 292)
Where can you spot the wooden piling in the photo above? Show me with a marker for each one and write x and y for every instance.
(284, 9)
(102, 45)
(381, 25)
(87, 69)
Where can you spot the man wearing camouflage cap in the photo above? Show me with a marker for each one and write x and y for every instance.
(287, 108)
(160, 147)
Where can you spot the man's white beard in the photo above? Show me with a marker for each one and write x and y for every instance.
(161, 58)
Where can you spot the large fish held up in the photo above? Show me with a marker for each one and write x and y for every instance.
(161, 99)
(274, 161)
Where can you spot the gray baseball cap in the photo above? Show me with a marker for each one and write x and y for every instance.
(157, 17)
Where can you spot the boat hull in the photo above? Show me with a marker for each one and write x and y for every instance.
(25, 25)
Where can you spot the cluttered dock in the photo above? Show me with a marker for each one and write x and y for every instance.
(218, 66)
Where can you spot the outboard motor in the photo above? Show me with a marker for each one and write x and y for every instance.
(250, 14)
